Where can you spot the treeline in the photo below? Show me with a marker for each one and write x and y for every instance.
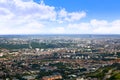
(49, 45)
(34, 45)
(14, 46)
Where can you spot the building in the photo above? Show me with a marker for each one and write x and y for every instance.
(52, 77)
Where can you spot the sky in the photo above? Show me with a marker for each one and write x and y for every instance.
(59, 17)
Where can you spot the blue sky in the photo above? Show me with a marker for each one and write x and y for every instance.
(59, 16)
(100, 9)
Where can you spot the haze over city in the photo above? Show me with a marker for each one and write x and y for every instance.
(59, 17)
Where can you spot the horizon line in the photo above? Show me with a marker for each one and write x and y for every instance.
(59, 34)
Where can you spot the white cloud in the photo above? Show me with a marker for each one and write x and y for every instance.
(57, 30)
(76, 16)
(18, 27)
(26, 16)
(109, 28)
(63, 13)
(96, 27)
(81, 28)
(73, 16)
(29, 8)
(5, 14)
(98, 23)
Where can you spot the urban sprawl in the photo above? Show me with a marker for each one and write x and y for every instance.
(59, 58)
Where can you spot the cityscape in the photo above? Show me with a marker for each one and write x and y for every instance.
(59, 39)
(60, 57)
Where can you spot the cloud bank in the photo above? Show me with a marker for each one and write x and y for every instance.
(29, 17)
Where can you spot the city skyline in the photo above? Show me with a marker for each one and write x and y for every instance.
(59, 17)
